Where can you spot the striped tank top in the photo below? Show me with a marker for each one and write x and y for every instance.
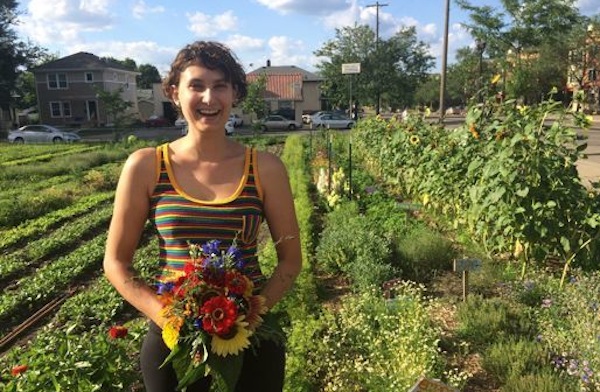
(179, 218)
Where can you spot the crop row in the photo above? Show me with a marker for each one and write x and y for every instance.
(34, 228)
(49, 281)
(61, 240)
(78, 336)
(48, 156)
(13, 152)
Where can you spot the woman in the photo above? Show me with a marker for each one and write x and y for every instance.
(203, 186)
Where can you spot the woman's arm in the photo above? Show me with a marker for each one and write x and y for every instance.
(281, 217)
(131, 206)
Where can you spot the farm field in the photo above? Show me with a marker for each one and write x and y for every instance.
(378, 305)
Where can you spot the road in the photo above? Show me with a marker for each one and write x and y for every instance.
(589, 169)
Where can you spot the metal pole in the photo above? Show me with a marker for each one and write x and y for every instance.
(377, 5)
(444, 66)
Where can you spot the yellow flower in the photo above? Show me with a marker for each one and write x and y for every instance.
(414, 140)
(496, 78)
(473, 131)
(170, 332)
(425, 199)
(233, 344)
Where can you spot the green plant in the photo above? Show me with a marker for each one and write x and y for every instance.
(514, 357)
(486, 320)
(422, 252)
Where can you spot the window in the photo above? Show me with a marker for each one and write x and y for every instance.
(57, 81)
(89, 77)
(60, 109)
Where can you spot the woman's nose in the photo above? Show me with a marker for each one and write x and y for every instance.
(207, 95)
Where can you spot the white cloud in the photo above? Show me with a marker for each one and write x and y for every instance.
(204, 25)
(308, 7)
(64, 20)
(244, 43)
(286, 51)
(140, 8)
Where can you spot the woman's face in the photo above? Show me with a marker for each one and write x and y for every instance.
(205, 98)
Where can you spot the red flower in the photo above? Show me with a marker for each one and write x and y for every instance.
(218, 315)
(18, 369)
(117, 332)
(236, 282)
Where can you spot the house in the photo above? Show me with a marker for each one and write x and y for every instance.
(290, 88)
(67, 89)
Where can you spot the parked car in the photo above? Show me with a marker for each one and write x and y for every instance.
(236, 120)
(41, 133)
(275, 121)
(157, 121)
(332, 120)
(180, 122)
(229, 127)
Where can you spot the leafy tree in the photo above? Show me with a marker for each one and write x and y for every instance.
(255, 99)
(115, 106)
(148, 76)
(528, 39)
(15, 55)
(391, 69)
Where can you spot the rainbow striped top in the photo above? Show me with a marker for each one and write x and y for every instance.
(179, 218)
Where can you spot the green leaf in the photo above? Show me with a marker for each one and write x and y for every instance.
(228, 368)
(523, 192)
(564, 241)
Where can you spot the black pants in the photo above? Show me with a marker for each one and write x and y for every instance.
(263, 368)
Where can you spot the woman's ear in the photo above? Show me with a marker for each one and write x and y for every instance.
(174, 95)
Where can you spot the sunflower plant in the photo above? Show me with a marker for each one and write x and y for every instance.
(211, 313)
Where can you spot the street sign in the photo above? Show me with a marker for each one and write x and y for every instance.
(351, 68)
(467, 265)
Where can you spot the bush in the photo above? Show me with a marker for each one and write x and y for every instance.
(423, 252)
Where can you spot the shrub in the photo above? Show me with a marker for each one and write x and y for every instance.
(369, 343)
(422, 252)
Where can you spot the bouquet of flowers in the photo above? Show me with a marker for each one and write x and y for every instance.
(211, 314)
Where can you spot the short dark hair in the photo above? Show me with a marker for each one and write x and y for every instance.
(212, 55)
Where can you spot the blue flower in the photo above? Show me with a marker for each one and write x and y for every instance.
(211, 248)
(165, 288)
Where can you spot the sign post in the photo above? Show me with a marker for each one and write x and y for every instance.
(350, 69)
(464, 266)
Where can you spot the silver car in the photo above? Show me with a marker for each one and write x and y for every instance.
(275, 121)
(41, 133)
(332, 120)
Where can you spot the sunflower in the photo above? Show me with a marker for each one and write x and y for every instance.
(414, 140)
(256, 307)
(234, 342)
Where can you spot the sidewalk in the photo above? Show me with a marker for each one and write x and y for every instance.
(589, 169)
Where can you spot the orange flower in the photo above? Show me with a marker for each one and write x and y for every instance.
(117, 332)
(18, 369)
(473, 131)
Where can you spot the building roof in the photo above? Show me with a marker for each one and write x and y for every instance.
(283, 82)
(82, 60)
(286, 69)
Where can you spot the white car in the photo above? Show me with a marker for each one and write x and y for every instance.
(236, 120)
(229, 128)
(41, 133)
(332, 120)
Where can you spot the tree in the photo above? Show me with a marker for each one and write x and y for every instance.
(391, 69)
(529, 40)
(255, 98)
(148, 76)
(15, 55)
(115, 106)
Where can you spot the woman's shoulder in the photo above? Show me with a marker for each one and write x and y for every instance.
(268, 162)
(142, 159)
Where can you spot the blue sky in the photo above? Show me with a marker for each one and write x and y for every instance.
(286, 32)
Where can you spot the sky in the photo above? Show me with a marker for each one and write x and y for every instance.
(286, 32)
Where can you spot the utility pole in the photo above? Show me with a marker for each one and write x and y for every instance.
(377, 5)
(444, 60)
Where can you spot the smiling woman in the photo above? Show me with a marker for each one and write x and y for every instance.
(205, 188)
